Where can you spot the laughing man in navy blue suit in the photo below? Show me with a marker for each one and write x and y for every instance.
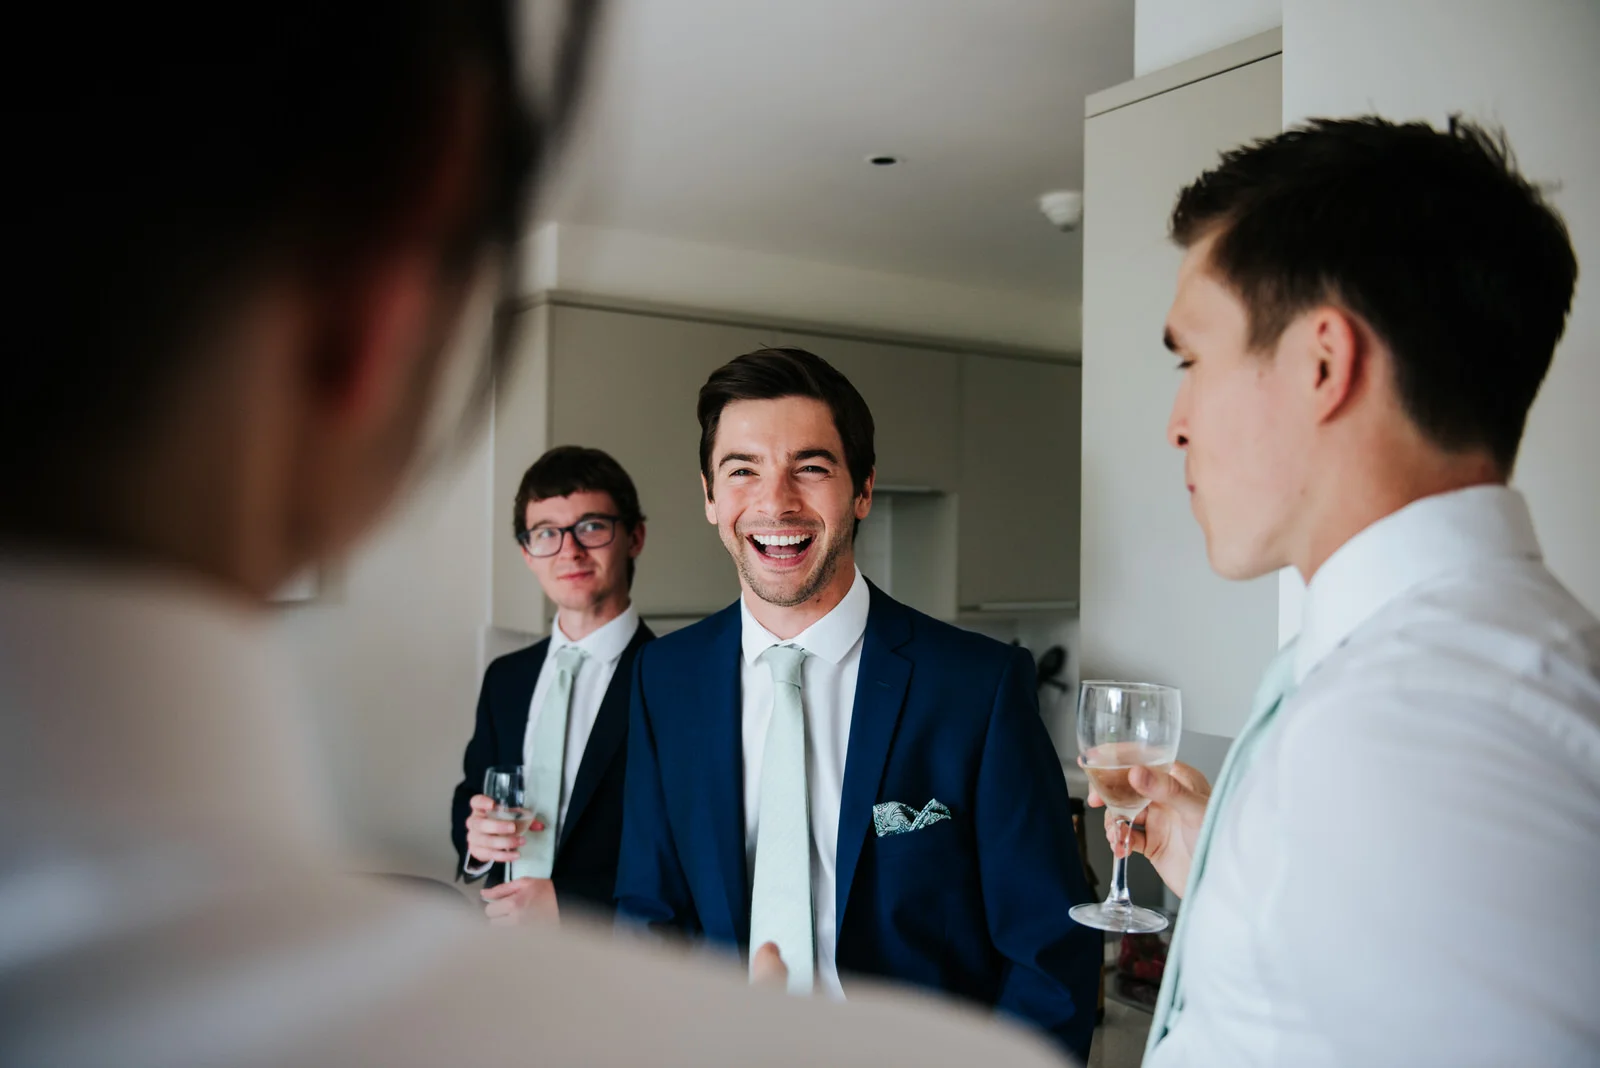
(934, 810)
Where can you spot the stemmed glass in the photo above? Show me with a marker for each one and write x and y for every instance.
(1123, 725)
(505, 786)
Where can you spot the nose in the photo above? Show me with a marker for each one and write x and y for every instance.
(570, 549)
(1178, 423)
(780, 495)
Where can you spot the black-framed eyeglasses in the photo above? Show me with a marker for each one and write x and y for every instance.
(591, 532)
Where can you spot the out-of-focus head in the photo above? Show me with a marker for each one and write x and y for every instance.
(1350, 290)
(577, 518)
(259, 256)
(786, 463)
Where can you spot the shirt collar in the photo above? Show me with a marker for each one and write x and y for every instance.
(606, 644)
(1421, 541)
(831, 637)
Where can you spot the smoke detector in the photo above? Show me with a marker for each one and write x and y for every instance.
(1064, 209)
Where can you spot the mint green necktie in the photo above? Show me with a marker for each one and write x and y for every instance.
(780, 898)
(546, 767)
(1276, 685)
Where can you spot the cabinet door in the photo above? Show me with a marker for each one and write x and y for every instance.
(1019, 481)
(914, 397)
(627, 383)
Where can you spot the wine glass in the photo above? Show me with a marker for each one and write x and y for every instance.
(1123, 725)
(505, 786)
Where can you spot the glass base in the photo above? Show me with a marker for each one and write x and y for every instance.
(1123, 919)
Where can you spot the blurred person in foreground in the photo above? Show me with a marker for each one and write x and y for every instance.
(1398, 864)
(256, 270)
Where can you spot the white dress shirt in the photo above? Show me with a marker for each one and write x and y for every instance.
(602, 649)
(1409, 871)
(828, 692)
(165, 897)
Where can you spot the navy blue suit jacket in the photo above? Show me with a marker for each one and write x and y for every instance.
(585, 870)
(974, 906)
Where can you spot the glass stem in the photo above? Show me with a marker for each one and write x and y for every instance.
(1119, 869)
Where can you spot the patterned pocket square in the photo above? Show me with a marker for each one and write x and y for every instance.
(892, 817)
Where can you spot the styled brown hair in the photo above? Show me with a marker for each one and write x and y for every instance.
(1432, 237)
(768, 374)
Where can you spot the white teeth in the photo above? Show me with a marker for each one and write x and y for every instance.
(771, 540)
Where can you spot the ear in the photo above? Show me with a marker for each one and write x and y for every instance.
(710, 503)
(375, 329)
(864, 498)
(637, 545)
(1337, 349)
(371, 342)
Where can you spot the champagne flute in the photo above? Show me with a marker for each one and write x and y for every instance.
(505, 786)
(1121, 726)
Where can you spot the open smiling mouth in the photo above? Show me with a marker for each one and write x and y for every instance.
(781, 548)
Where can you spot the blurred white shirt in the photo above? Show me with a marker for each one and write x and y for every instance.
(163, 900)
(1409, 872)
(602, 650)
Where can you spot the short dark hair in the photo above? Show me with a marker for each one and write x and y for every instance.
(569, 469)
(1433, 238)
(768, 374)
(172, 156)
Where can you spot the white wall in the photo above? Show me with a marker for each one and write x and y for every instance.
(1170, 31)
(391, 659)
(636, 266)
(395, 651)
(1530, 66)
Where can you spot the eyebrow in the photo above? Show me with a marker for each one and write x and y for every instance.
(581, 518)
(816, 453)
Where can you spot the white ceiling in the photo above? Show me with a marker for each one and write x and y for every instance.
(745, 123)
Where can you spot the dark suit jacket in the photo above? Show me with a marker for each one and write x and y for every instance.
(975, 905)
(586, 856)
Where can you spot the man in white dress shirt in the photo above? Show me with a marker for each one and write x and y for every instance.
(1399, 862)
(242, 256)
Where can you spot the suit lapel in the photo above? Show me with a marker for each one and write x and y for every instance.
(715, 697)
(514, 704)
(606, 737)
(881, 684)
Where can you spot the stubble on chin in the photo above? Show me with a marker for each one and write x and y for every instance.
(818, 580)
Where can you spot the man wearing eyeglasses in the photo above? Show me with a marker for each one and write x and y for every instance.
(560, 707)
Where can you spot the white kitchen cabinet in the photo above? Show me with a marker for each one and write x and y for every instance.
(968, 445)
(626, 383)
(1020, 441)
(914, 395)
(1151, 606)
